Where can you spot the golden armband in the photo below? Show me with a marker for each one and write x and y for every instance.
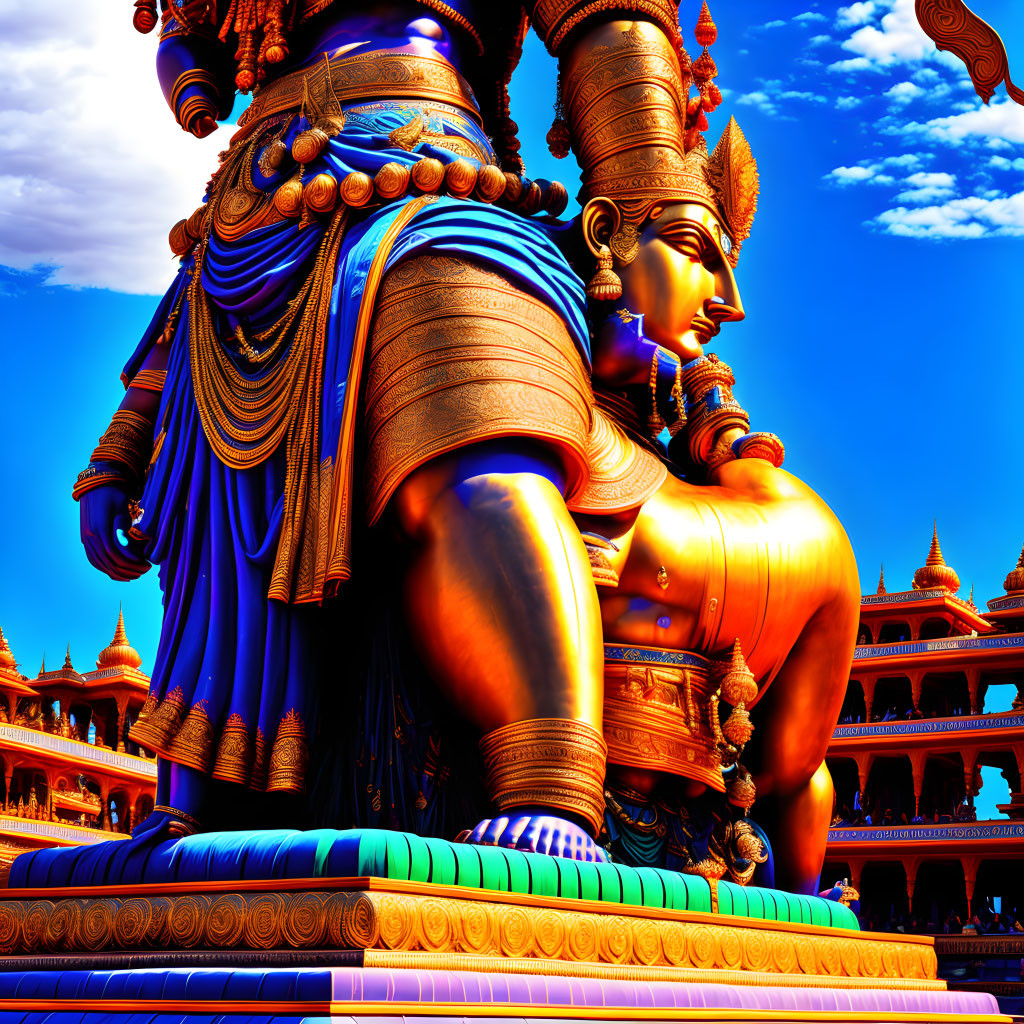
(127, 442)
(547, 762)
(556, 20)
(149, 380)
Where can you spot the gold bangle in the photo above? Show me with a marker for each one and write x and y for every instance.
(548, 762)
(91, 478)
(149, 380)
(128, 441)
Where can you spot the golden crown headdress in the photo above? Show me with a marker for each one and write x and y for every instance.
(678, 168)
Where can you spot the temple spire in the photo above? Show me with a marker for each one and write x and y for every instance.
(935, 574)
(1014, 582)
(67, 661)
(119, 653)
(881, 580)
(6, 657)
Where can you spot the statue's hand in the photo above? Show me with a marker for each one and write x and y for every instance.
(537, 832)
(103, 511)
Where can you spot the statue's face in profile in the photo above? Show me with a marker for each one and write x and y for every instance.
(681, 280)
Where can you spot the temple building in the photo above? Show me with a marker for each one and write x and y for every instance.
(70, 773)
(906, 758)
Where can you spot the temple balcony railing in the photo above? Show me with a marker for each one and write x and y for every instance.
(51, 833)
(1003, 647)
(1000, 839)
(75, 752)
(1010, 722)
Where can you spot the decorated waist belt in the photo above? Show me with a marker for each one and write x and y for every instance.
(376, 75)
(661, 712)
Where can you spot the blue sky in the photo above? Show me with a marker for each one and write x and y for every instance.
(883, 332)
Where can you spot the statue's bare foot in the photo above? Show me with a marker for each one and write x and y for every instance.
(537, 832)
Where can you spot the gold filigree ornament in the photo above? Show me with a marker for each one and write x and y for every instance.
(733, 174)
(605, 285)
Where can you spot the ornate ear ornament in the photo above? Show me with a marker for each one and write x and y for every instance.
(732, 173)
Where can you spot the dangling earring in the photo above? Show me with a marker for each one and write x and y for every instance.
(605, 285)
(655, 422)
(677, 395)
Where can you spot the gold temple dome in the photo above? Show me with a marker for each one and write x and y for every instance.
(1014, 582)
(935, 574)
(119, 653)
(6, 657)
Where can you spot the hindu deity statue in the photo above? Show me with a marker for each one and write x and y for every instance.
(378, 368)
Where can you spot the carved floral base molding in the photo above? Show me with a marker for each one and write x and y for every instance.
(418, 925)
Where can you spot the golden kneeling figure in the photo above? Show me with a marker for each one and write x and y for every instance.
(739, 550)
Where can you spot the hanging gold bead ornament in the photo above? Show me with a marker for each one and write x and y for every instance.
(738, 728)
(605, 285)
(742, 792)
(427, 175)
(558, 139)
(738, 683)
(180, 241)
(288, 198)
(273, 157)
(146, 16)
(655, 421)
(460, 178)
(356, 189)
(392, 180)
(309, 144)
(490, 183)
(680, 402)
(320, 194)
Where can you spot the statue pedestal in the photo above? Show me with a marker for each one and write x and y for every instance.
(366, 924)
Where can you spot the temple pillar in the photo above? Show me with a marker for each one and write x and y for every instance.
(911, 866)
(916, 684)
(863, 761)
(867, 684)
(917, 763)
(974, 688)
(914, 622)
(970, 768)
(970, 866)
(856, 872)
(105, 808)
(122, 710)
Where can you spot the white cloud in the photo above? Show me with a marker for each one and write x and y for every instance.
(94, 168)
(904, 92)
(926, 76)
(847, 102)
(1001, 163)
(758, 99)
(970, 217)
(819, 40)
(931, 179)
(794, 94)
(905, 159)
(856, 14)
(777, 23)
(853, 64)
(853, 175)
(924, 195)
(899, 37)
(809, 16)
(999, 122)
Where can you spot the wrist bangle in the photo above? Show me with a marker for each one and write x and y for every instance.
(96, 475)
(127, 442)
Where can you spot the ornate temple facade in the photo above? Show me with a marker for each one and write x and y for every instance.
(906, 758)
(70, 773)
